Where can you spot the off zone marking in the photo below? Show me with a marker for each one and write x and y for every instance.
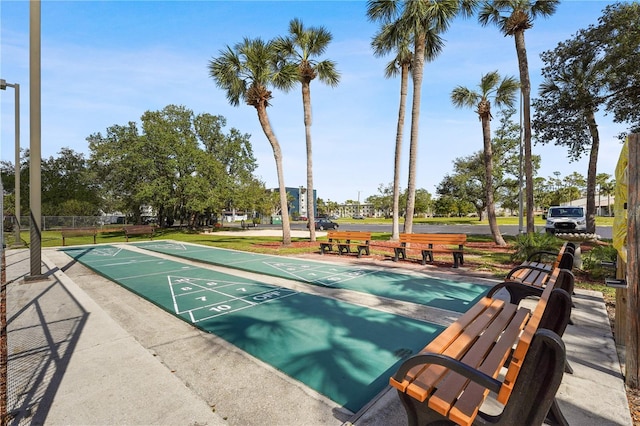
(167, 246)
(100, 252)
(202, 299)
(320, 274)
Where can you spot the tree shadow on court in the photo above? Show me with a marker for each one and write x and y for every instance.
(343, 351)
(392, 284)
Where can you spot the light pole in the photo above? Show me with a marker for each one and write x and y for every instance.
(35, 143)
(16, 87)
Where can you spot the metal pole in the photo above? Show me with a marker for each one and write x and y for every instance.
(35, 109)
(18, 240)
(16, 87)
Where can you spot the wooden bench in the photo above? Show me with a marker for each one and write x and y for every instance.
(428, 244)
(78, 232)
(535, 274)
(496, 347)
(139, 230)
(345, 241)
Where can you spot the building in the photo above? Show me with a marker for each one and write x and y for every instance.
(298, 201)
(604, 204)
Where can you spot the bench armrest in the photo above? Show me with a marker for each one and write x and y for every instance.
(517, 290)
(452, 364)
(541, 253)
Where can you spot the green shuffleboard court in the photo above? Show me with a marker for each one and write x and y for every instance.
(343, 351)
(435, 292)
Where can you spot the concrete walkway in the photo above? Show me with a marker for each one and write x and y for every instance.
(83, 350)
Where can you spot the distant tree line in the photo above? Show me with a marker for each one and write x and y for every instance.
(184, 166)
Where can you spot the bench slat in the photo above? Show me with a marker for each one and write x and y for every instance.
(423, 384)
(484, 355)
(445, 338)
(525, 341)
(467, 405)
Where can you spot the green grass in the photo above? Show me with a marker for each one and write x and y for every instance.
(493, 262)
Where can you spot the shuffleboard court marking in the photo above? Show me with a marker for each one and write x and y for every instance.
(109, 251)
(436, 292)
(203, 299)
(342, 350)
(188, 250)
(319, 274)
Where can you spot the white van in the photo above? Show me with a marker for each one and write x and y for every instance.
(565, 219)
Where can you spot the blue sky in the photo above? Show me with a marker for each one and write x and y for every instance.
(106, 63)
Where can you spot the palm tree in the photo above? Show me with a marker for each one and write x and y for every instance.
(386, 40)
(416, 20)
(503, 94)
(299, 49)
(576, 81)
(513, 18)
(245, 73)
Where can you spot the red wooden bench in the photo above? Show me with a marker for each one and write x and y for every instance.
(428, 244)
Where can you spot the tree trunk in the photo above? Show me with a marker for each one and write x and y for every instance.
(591, 173)
(417, 73)
(404, 83)
(277, 155)
(525, 87)
(488, 166)
(306, 103)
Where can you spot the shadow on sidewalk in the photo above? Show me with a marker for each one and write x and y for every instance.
(44, 323)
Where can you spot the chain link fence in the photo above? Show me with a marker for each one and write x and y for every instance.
(58, 222)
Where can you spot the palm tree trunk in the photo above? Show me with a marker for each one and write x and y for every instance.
(591, 173)
(306, 104)
(525, 85)
(404, 84)
(277, 155)
(417, 73)
(488, 166)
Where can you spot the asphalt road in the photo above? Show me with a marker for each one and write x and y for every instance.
(605, 232)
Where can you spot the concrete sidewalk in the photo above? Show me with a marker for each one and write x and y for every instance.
(83, 350)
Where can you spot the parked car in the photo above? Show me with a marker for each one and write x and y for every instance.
(565, 219)
(358, 216)
(322, 224)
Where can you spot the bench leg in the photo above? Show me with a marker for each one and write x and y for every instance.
(455, 260)
(555, 416)
(419, 414)
(398, 253)
(364, 249)
(427, 256)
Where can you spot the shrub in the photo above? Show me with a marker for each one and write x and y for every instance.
(592, 261)
(527, 244)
